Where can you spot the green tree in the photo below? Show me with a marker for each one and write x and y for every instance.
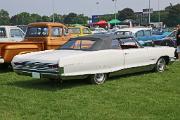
(174, 15)
(163, 16)
(73, 18)
(23, 18)
(45, 19)
(57, 18)
(4, 17)
(35, 18)
(126, 13)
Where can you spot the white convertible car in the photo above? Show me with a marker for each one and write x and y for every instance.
(94, 56)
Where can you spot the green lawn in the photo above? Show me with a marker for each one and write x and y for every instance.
(144, 96)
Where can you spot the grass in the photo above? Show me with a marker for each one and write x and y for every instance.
(144, 96)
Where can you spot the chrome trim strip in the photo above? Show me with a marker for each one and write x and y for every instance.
(133, 70)
(35, 66)
(42, 74)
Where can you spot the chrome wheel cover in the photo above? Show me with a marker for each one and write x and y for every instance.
(99, 78)
(161, 64)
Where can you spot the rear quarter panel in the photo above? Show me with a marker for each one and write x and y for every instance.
(156, 52)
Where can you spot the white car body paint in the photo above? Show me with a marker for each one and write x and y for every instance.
(76, 62)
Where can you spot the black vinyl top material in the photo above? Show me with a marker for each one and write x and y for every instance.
(103, 41)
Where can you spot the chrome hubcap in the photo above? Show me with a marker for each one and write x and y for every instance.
(99, 77)
(161, 65)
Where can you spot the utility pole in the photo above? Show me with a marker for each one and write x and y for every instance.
(149, 14)
(53, 9)
(159, 12)
(115, 9)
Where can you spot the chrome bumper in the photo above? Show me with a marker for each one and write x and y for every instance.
(1, 60)
(49, 75)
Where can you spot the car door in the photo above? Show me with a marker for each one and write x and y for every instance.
(116, 56)
(134, 54)
(57, 37)
(16, 35)
(140, 35)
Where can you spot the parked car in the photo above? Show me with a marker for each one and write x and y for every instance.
(11, 33)
(99, 30)
(23, 27)
(96, 57)
(79, 31)
(169, 40)
(39, 36)
(142, 34)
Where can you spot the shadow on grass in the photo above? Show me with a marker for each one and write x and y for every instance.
(118, 77)
(49, 85)
(5, 68)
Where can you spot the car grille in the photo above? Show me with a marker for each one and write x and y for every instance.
(35, 66)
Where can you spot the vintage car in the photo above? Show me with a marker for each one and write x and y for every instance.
(142, 34)
(11, 33)
(94, 56)
(39, 36)
(169, 40)
(99, 30)
(79, 31)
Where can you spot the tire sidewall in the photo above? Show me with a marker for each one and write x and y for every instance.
(95, 81)
(157, 68)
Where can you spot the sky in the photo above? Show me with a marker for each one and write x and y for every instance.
(86, 7)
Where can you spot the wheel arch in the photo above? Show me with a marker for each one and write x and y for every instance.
(166, 58)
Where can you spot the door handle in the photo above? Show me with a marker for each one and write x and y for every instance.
(52, 38)
(126, 53)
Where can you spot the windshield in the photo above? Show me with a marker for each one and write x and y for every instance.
(37, 32)
(74, 30)
(86, 31)
(76, 44)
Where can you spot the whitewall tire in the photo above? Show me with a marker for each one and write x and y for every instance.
(98, 78)
(160, 65)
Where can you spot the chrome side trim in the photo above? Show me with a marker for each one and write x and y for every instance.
(132, 70)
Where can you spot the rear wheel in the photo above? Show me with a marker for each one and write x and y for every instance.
(160, 65)
(98, 78)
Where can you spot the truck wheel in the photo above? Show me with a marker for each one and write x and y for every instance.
(160, 65)
(98, 78)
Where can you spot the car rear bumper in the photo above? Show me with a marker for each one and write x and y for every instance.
(49, 75)
(1, 60)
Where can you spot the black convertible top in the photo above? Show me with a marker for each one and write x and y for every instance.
(103, 41)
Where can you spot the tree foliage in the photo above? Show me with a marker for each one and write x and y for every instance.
(126, 13)
(174, 15)
(73, 18)
(170, 16)
(4, 17)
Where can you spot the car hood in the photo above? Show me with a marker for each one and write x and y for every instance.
(50, 56)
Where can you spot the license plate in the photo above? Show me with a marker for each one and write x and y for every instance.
(36, 75)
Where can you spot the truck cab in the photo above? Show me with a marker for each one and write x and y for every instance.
(39, 36)
(11, 33)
